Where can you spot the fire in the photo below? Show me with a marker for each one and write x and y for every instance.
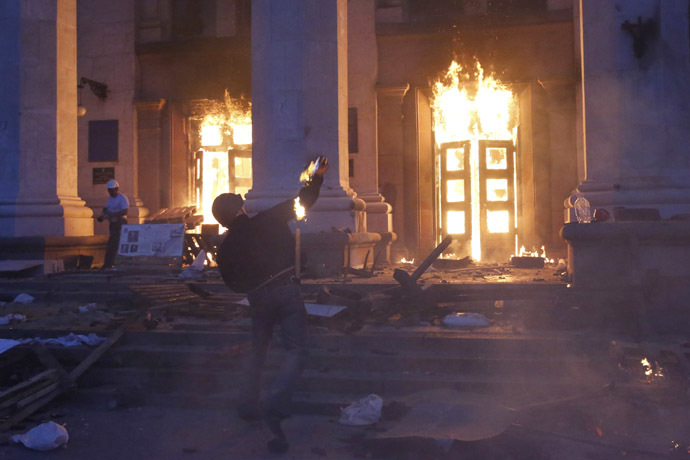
(652, 372)
(405, 261)
(300, 212)
(524, 253)
(224, 125)
(471, 106)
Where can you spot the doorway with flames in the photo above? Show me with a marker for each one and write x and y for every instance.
(480, 166)
(221, 153)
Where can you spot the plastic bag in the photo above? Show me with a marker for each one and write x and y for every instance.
(44, 437)
(466, 320)
(23, 298)
(363, 412)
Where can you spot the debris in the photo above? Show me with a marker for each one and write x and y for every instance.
(44, 437)
(11, 318)
(6, 344)
(527, 262)
(317, 309)
(409, 282)
(366, 411)
(88, 307)
(451, 264)
(23, 298)
(561, 267)
(71, 340)
(466, 320)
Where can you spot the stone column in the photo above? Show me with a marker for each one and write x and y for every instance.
(38, 121)
(635, 110)
(635, 142)
(362, 75)
(299, 108)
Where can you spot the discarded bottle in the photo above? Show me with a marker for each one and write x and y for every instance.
(582, 210)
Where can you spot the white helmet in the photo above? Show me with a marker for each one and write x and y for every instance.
(112, 183)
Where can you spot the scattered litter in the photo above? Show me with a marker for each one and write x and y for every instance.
(23, 298)
(318, 309)
(466, 320)
(12, 317)
(561, 267)
(366, 411)
(71, 340)
(44, 437)
(195, 270)
(88, 307)
(6, 344)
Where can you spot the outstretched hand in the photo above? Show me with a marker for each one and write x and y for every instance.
(323, 165)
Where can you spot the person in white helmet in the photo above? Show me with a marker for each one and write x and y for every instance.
(115, 210)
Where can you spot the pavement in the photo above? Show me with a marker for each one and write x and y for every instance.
(641, 418)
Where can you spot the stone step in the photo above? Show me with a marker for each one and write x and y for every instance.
(430, 338)
(168, 381)
(205, 358)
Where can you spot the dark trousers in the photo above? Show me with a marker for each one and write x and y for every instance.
(271, 306)
(113, 242)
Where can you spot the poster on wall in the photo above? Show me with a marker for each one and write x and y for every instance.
(153, 240)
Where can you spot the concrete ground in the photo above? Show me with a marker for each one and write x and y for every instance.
(636, 422)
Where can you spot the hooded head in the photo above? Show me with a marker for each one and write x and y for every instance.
(225, 207)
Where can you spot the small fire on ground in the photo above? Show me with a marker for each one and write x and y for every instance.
(535, 253)
(652, 372)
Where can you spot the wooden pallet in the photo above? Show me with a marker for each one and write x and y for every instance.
(149, 264)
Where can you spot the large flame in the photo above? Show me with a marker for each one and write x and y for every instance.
(471, 106)
(224, 125)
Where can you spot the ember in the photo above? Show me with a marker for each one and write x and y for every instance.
(652, 372)
(405, 261)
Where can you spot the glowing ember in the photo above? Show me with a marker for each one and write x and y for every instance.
(470, 106)
(300, 212)
(652, 372)
(405, 261)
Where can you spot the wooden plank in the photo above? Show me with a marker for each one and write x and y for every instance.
(50, 373)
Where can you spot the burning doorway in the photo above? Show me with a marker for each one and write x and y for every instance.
(222, 158)
(474, 121)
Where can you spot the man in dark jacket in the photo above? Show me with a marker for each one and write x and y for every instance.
(257, 257)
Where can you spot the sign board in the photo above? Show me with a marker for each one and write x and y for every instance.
(152, 240)
(102, 175)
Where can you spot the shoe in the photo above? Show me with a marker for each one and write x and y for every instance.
(278, 445)
(249, 412)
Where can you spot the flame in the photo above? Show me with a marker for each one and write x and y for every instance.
(650, 372)
(230, 119)
(300, 212)
(469, 105)
(405, 261)
(535, 253)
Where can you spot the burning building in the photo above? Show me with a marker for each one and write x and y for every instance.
(470, 118)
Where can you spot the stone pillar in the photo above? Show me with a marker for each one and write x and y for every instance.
(635, 139)
(299, 108)
(635, 110)
(38, 121)
(362, 75)
(107, 54)
(391, 158)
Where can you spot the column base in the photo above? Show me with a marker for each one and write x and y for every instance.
(379, 214)
(64, 216)
(641, 267)
(642, 193)
(53, 247)
(329, 252)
